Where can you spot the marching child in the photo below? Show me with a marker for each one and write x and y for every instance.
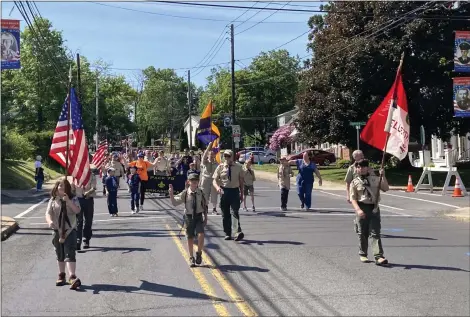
(284, 173)
(195, 216)
(134, 188)
(111, 191)
(193, 169)
(61, 217)
(248, 177)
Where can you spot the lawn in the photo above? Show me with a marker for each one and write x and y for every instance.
(20, 174)
(395, 177)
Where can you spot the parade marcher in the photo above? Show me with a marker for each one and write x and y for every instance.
(365, 202)
(61, 217)
(104, 173)
(195, 216)
(208, 166)
(149, 158)
(248, 184)
(119, 170)
(39, 173)
(134, 189)
(196, 159)
(162, 167)
(142, 169)
(111, 192)
(305, 179)
(228, 180)
(173, 169)
(85, 195)
(351, 174)
(183, 163)
(284, 173)
(192, 169)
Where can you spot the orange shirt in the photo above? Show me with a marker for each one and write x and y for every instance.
(142, 167)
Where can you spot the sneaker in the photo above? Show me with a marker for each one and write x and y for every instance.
(228, 238)
(137, 209)
(381, 261)
(132, 211)
(79, 246)
(363, 259)
(214, 211)
(61, 281)
(116, 214)
(192, 261)
(239, 236)
(86, 244)
(302, 206)
(199, 258)
(74, 282)
(253, 209)
(141, 208)
(111, 215)
(245, 209)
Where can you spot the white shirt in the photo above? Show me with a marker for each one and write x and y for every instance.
(162, 164)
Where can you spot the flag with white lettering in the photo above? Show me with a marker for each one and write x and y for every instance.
(390, 117)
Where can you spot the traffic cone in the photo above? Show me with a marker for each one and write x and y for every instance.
(410, 188)
(457, 190)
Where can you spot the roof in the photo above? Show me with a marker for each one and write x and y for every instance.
(288, 113)
(195, 121)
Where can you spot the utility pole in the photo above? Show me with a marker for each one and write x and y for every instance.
(97, 113)
(189, 111)
(232, 42)
(171, 117)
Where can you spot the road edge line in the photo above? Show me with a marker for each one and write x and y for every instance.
(20, 216)
(200, 278)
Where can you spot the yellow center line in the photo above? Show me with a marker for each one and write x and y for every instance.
(206, 287)
(241, 304)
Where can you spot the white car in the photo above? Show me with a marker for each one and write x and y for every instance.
(259, 156)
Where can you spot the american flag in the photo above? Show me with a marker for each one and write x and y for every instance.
(79, 164)
(100, 156)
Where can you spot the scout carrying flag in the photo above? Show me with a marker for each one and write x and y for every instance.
(388, 129)
(208, 131)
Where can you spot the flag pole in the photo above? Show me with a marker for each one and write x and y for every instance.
(68, 124)
(388, 124)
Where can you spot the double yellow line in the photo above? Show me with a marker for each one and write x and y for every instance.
(221, 310)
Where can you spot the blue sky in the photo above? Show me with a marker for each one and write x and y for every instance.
(135, 40)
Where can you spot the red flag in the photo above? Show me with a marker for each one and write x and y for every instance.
(79, 164)
(100, 155)
(390, 117)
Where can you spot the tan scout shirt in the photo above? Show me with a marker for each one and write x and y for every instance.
(162, 164)
(248, 176)
(53, 210)
(366, 194)
(80, 191)
(188, 197)
(284, 173)
(351, 173)
(221, 175)
(208, 168)
(119, 169)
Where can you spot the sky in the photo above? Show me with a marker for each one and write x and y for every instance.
(130, 40)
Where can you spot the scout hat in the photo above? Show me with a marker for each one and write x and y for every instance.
(193, 176)
(464, 46)
(141, 154)
(362, 163)
(228, 153)
(111, 169)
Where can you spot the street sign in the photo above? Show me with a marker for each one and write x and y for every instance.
(356, 124)
(236, 139)
(237, 144)
(236, 131)
(422, 135)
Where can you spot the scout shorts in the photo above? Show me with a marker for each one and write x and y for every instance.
(65, 251)
(248, 188)
(194, 226)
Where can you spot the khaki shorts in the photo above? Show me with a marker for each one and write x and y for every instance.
(194, 226)
(65, 251)
(248, 188)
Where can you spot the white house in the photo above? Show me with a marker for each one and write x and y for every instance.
(194, 125)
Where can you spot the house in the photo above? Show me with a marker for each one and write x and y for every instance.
(194, 126)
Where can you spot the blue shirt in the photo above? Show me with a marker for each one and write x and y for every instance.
(111, 184)
(134, 182)
(305, 172)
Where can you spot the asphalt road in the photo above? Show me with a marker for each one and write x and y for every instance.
(294, 263)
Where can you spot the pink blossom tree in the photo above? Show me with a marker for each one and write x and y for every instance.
(281, 137)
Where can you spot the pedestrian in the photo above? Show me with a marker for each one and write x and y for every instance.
(284, 173)
(248, 184)
(111, 192)
(208, 166)
(104, 172)
(192, 169)
(39, 173)
(85, 195)
(195, 216)
(305, 179)
(134, 189)
(61, 217)
(228, 180)
(119, 170)
(364, 198)
(142, 169)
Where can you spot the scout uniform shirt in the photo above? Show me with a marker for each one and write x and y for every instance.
(118, 168)
(228, 175)
(284, 173)
(162, 164)
(364, 189)
(53, 210)
(351, 173)
(80, 191)
(208, 168)
(248, 176)
(191, 207)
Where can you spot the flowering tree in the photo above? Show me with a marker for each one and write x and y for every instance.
(281, 137)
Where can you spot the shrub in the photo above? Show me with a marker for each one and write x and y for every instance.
(342, 163)
(16, 146)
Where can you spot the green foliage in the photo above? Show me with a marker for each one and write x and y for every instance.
(16, 146)
(342, 163)
(184, 143)
(352, 71)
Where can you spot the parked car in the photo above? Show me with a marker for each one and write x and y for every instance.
(319, 157)
(259, 156)
(248, 149)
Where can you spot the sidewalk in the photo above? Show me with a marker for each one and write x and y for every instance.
(269, 176)
(462, 214)
(9, 226)
(18, 193)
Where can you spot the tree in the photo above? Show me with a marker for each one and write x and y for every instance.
(353, 68)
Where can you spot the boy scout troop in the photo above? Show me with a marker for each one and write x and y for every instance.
(208, 167)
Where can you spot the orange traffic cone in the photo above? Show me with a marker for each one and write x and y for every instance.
(410, 188)
(457, 190)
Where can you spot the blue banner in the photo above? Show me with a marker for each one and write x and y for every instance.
(10, 44)
(159, 184)
(462, 52)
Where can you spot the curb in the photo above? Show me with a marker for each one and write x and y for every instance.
(11, 226)
(462, 214)
(269, 176)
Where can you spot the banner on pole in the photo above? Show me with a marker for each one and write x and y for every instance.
(159, 184)
(461, 52)
(462, 97)
(10, 44)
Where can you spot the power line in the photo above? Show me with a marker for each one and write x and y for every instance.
(262, 20)
(251, 17)
(246, 11)
(217, 42)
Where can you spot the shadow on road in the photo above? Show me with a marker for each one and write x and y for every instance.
(25, 199)
(109, 249)
(259, 242)
(271, 214)
(143, 234)
(425, 267)
(388, 236)
(165, 290)
(241, 268)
